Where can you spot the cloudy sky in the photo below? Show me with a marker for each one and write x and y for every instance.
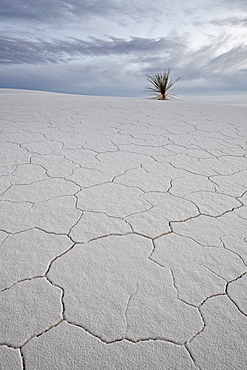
(108, 47)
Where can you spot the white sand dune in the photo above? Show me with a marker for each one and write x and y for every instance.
(123, 233)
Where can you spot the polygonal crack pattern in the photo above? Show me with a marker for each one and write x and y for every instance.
(122, 233)
(10, 358)
(37, 307)
(120, 265)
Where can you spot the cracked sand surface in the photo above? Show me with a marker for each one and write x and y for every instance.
(123, 233)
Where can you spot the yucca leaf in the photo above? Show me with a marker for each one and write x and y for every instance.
(162, 83)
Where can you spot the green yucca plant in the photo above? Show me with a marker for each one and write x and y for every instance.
(162, 83)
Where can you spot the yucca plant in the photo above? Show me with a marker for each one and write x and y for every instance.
(162, 83)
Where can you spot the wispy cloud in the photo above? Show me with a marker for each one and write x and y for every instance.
(231, 5)
(230, 21)
(45, 10)
(19, 51)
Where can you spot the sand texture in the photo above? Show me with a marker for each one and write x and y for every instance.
(123, 233)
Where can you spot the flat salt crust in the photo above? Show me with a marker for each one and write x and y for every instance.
(122, 233)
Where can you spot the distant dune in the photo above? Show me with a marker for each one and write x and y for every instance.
(123, 233)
